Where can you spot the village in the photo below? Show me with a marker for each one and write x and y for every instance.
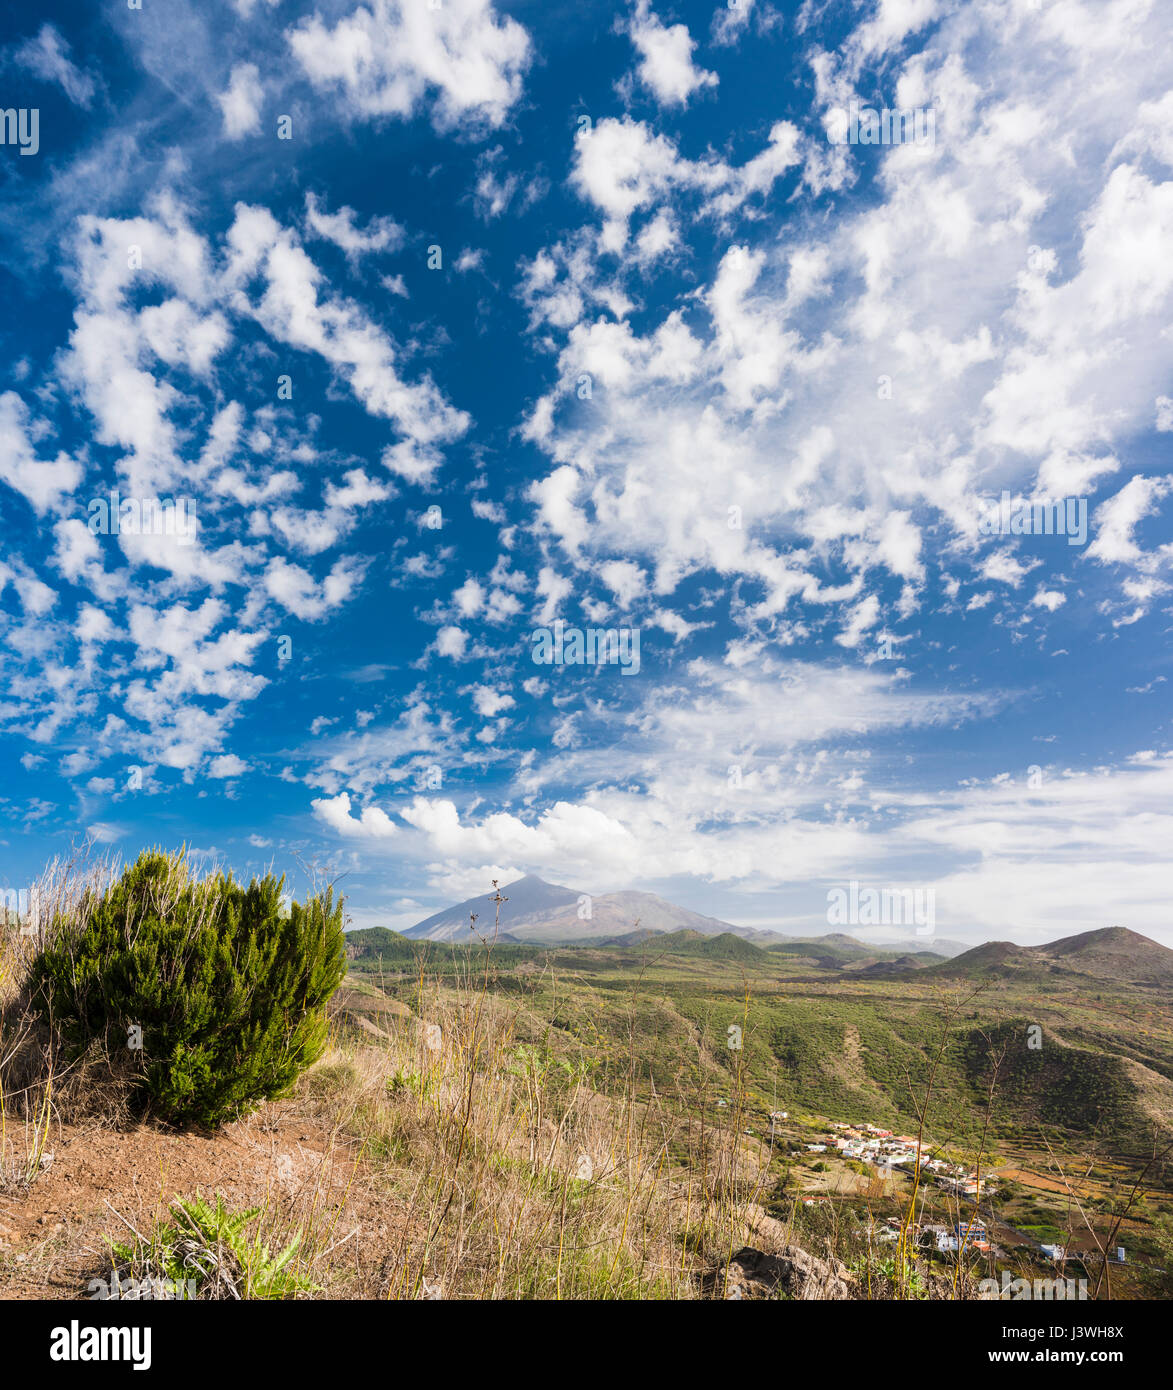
(965, 1234)
(886, 1151)
(870, 1144)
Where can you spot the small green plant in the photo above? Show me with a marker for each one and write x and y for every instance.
(214, 994)
(207, 1246)
(900, 1274)
(405, 1080)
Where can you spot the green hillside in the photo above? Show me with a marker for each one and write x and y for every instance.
(825, 1036)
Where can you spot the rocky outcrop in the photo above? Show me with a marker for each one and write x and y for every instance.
(791, 1273)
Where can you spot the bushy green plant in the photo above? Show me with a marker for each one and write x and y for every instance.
(228, 989)
(206, 1247)
(408, 1079)
(900, 1274)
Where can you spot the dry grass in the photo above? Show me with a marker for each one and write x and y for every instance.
(515, 1179)
(38, 1085)
(465, 1156)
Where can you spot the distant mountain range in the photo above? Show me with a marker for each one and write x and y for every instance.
(548, 912)
(538, 911)
(1112, 954)
(831, 1011)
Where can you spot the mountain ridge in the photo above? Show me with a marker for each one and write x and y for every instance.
(537, 911)
(1112, 953)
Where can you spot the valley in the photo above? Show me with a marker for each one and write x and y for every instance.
(1044, 1073)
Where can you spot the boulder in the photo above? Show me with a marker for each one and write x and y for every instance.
(791, 1273)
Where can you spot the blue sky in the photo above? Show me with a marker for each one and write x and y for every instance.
(682, 364)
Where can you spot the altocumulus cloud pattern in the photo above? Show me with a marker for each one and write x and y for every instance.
(713, 447)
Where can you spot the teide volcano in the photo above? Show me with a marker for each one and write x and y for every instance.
(541, 911)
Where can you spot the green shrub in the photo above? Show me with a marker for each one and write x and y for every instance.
(229, 990)
(205, 1248)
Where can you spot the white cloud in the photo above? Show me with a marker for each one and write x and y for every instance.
(1050, 599)
(93, 625)
(563, 833)
(372, 824)
(1116, 519)
(227, 765)
(297, 591)
(732, 20)
(36, 597)
(498, 188)
(240, 103)
(292, 309)
(380, 234)
(156, 307)
(358, 491)
(1004, 568)
(623, 167)
(852, 393)
(469, 598)
(666, 68)
(490, 702)
(43, 483)
(863, 616)
(47, 56)
(625, 580)
(451, 642)
(1005, 856)
(390, 58)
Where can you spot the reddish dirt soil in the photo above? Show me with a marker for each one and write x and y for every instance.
(99, 1179)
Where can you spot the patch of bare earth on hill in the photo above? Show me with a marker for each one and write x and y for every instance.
(96, 1182)
(848, 1067)
(1154, 1092)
